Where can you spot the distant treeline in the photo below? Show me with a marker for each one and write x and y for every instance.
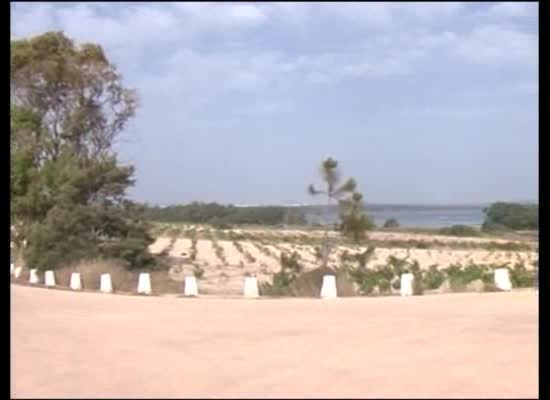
(498, 216)
(220, 215)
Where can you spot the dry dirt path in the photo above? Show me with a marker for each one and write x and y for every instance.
(90, 345)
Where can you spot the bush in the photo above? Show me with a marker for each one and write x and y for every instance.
(361, 258)
(512, 216)
(365, 278)
(521, 277)
(391, 223)
(460, 277)
(384, 285)
(198, 271)
(460, 230)
(433, 278)
(290, 268)
(218, 223)
(509, 246)
(494, 228)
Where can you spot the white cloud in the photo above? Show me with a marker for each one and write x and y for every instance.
(431, 11)
(374, 14)
(494, 44)
(218, 16)
(247, 12)
(31, 21)
(513, 9)
(164, 48)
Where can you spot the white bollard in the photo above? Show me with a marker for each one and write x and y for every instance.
(12, 268)
(33, 276)
(144, 283)
(105, 285)
(17, 272)
(251, 287)
(75, 281)
(502, 279)
(49, 278)
(407, 281)
(191, 288)
(328, 289)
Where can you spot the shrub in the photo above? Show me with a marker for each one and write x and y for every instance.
(459, 230)
(509, 246)
(193, 252)
(398, 265)
(459, 276)
(289, 271)
(220, 224)
(433, 278)
(198, 271)
(365, 278)
(494, 228)
(384, 285)
(521, 277)
(391, 223)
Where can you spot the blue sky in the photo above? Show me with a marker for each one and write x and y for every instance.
(240, 102)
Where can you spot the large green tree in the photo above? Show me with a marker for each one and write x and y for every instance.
(511, 216)
(68, 106)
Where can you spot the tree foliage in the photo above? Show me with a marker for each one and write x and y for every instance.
(218, 214)
(354, 221)
(511, 216)
(68, 105)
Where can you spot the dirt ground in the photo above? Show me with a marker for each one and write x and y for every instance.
(89, 345)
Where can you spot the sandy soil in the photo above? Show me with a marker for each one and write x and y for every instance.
(180, 246)
(220, 278)
(70, 345)
(206, 253)
(381, 235)
(261, 258)
(425, 257)
(159, 245)
(231, 253)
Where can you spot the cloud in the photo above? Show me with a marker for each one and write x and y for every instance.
(31, 21)
(456, 111)
(209, 50)
(494, 44)
(201, 16)
(247, 12)
(513, 9)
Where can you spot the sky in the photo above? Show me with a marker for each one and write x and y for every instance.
(240, 102)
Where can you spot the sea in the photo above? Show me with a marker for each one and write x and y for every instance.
(417, 216)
